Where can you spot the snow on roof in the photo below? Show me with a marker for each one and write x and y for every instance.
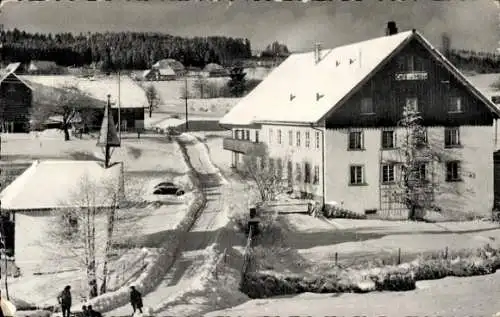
(37, 65)
(132, 95)
(213, 67)
(166, 71)
(301, 91)
(146, 73)
(12, 67)
(56, 184)
(169, 62)
(11, 71)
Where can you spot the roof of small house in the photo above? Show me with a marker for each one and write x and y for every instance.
(12, 67)
(212, 67)
(57, 184)
(41, 64)
(166, 71)
(10, 70)
(169, 62)
(289, 94)
(131, 94)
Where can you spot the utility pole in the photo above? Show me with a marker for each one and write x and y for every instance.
(108, 137)
(186, 101)
(119, 109)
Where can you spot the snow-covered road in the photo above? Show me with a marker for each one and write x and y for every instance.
(204, 233)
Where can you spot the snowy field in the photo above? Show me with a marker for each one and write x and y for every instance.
(448, 297)
(146, 163)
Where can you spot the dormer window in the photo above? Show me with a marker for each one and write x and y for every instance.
(367, 106)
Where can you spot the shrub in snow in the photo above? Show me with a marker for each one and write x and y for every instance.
(386, 278)
(335, 211)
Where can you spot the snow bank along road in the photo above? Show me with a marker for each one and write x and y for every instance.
(208, 228)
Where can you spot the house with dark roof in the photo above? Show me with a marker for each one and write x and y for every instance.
(330, 120)
(16, 97)
(159, 74)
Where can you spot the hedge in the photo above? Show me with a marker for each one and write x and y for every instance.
(401, 277)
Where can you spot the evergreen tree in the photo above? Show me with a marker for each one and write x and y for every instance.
(237, 83)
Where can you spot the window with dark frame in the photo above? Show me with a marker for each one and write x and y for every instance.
(453, 171)
(308, 139)
(271, 135)
(247, 135)
(388, 173)
(289, 173)
(297, 137)
(388, 139)
(367, 105)
(316, 175)
(451, 137)
(279, 136)
(307, 173)
(421, 173)
(290, 137)
(355, 140)
(411, 104)
(317, 140)
(279, 168)
(455, 104)
(256, 136)
(356, 175)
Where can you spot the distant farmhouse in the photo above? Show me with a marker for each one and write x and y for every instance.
(159, 74)
(16, 96)
(132, 100)
(215, 70)
(330, 121)
(44, 68)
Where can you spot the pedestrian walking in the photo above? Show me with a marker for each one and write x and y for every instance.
(92, 313)
(135, 300)
(64, 300)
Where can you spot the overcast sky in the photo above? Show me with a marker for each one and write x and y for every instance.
(472, 24)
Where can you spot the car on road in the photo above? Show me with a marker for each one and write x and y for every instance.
(168, 188)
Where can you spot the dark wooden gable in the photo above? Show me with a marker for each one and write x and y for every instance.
(15, 98)
(389, 91)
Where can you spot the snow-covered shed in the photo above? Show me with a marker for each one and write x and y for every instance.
(34, 197)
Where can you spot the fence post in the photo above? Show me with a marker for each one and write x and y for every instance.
(336, 259)
(399, 256)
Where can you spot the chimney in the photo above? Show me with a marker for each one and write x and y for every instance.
(317, 52)
(391, 28)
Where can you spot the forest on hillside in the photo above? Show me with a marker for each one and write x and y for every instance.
(472, 61)
(136, 51)
(123, 50)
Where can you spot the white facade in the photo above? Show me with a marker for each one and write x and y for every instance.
(296, 145)
(472, 193)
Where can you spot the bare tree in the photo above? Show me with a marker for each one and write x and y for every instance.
(153, 98)
(87, 230)
(267, 174)
(69, 104)
(201, 85)
(420, 161)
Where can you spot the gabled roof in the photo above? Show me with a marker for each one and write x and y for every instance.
(32, 190)
(289, 94)
(12, 67)
(131, 94)
(37, 65)
(169, 62)
(166, 71)
(213, 67)
(11, 71)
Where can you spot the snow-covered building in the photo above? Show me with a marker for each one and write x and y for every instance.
(33, 199)
(330, 119)
(124, 93)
